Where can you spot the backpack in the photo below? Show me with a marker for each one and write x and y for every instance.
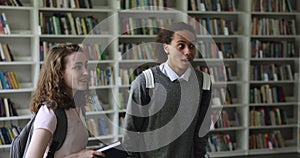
(21, 142)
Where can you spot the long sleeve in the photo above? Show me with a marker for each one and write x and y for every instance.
(203, 124)
(138, 96)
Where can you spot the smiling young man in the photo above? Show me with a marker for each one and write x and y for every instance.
(164, 121)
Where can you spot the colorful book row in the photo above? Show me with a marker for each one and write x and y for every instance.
(66, 3)
(66, 24)
(9, 80)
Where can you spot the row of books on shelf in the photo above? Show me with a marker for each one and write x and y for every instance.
(97, 127)
(7, 108)
(143, 26)
(127, 75)
(101, 76)
(8, 134)
(271, 72)
(66, 3)
(228, 50)
(5, 53)
(264, 115)
(9, 80)
(100, 126)
(220, 142)
(271, 140)
(273, 26)
(212, 26)
(92, 51)
(94, 104)
(211, 5)
(4, 27)
(272, 49)
(123, 98)
(45, 46)
(136, 51)
(273, 5)
(267, 94)
(11, 3)
(144, 4)
(221, 96)
(218, 73)
(66, 24)
(219, 50)
(225, 118)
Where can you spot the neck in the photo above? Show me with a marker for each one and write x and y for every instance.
(178, 71)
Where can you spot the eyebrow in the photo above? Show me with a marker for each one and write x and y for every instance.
(186, 41)
(79, 63)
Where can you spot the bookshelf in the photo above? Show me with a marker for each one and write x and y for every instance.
(237, 71)
(284, 65)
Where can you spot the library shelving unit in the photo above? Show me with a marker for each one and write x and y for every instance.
(274, 69)
(22, 41)
(257, 56)
(230, 88)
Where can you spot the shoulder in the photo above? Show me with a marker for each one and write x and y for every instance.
(204, 78)
(146, 78)
(141, 78)
(46, 119)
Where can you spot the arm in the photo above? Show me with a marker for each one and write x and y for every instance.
(88, 152)
(135, 123)
(203, 124)
(38, 143)
(204, 121)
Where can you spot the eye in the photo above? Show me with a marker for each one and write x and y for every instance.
(191, 46)
(181, 46)
(77, 68)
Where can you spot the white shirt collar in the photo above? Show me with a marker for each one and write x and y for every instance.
(167, 70)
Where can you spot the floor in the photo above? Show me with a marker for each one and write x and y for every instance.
(286, 155)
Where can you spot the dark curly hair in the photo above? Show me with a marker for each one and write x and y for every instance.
(165, 36)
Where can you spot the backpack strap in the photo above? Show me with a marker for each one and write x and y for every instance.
(206, 81)
(60, 131)
(149, 78)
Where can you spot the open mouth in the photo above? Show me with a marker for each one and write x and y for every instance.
(187, 60)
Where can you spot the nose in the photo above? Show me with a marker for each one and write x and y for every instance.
(187, 51)
(85, 71)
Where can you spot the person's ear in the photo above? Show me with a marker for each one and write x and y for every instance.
(166, 48)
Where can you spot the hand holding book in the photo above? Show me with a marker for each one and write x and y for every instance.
(113, 150)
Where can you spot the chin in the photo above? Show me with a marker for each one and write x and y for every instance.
(82, 88)
(184, 66)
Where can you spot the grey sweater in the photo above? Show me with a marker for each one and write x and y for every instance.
(166, 120)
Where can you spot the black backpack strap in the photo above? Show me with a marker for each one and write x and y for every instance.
(60, 131)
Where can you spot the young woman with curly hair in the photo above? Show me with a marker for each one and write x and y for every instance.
(63, 82)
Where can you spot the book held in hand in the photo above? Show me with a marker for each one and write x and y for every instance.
(114, 150)
(109, 146)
